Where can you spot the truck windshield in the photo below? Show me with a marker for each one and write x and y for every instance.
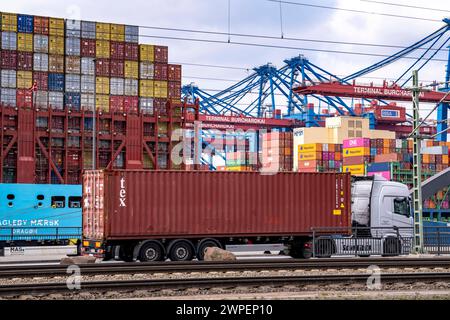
(402, 207)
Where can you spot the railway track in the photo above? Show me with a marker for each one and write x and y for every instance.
(43, 289)
(238, 266)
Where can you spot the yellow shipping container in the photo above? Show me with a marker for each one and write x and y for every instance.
(56, 45)
(132, 70)
(9, 22)
(117, 32)
(102, 102)
(160, 89)
(310, 147)
(24, 79)
(356, 152)
(103, 31)
(103, 49)
(238, 168)
(356, 170)
(310, 156)
(56, 27)
(146, 88)
(25, 42)
(147, 53)
(102, 85)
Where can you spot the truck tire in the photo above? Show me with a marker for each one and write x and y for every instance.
(181, 250)
(151, 251)
(391, 247)
(126, 253)
(203, 245)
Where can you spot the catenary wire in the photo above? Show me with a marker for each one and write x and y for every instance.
(405, 5)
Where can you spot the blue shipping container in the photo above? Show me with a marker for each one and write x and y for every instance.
(72, 101)
(56, 82)
(25, 23)
(379, 167)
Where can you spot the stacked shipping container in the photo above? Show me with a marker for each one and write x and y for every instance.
(277, 151)
(79, 66)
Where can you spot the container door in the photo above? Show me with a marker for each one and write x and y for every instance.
(93, 205)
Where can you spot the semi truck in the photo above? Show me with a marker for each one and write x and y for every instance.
(157, 215)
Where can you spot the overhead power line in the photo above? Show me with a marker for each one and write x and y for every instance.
(405, 5)
(355, 11)
(268, 37)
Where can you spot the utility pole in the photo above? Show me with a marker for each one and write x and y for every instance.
(417, 169)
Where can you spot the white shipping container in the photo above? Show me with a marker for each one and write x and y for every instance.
(132, 34)
(87, 102)
(147, 71)
(146, 105)
(398, 143)
(87, 84)
(41, 99)
(131, 87)
(88, 29)
(9, 40)
(117, 86)
(439, 150)
(56, 100)
(87, 66)
(40, 43)
(73, 28)
(73, 83)
(8, 97)
(40, 62)
(73, 46)
(9, 79)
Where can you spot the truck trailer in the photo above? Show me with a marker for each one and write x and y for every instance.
(154, 215)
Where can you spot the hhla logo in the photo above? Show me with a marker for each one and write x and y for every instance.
(122, 193)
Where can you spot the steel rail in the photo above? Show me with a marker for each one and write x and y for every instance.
(205, 283)
(238, 266)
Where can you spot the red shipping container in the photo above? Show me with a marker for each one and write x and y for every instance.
(352, 161)
(24, 98)
(161, 54)
(160, 105)
(117, 50)
(116, 104)
(160, 71)
(174, 90)
(88, 48)
(102, 67)
(131, 51)
(131, 104)
(24, 61)
(281, 204)
(41, 25)
(41, 79)
(390, 157)
(9, 59)
(117, 68)
(174, 72)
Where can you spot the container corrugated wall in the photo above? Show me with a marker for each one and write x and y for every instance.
(198, 204)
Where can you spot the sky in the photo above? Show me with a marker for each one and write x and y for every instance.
(262, 17)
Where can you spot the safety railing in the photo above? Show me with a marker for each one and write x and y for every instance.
(362, 241)
(12, 234)
(436, 239)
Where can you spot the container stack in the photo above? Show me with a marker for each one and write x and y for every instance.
(277, 151)
(356, 153)
(319, 157)
(78, 67)
(241, 161)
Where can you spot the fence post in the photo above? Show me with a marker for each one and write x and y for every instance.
(57, 234)
(356, 241)
(439, 240)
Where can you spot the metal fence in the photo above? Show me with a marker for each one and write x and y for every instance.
(44, 234)
(364, 241)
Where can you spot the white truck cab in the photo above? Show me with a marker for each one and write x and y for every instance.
(378, 203)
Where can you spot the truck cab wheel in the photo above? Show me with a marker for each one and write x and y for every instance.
(151, 251)
(181, 251)
(391, 247)
(203, 245)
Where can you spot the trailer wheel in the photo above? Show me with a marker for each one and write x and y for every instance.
(151, 251)
(181, 250)
(205, 244)
(126, 253)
